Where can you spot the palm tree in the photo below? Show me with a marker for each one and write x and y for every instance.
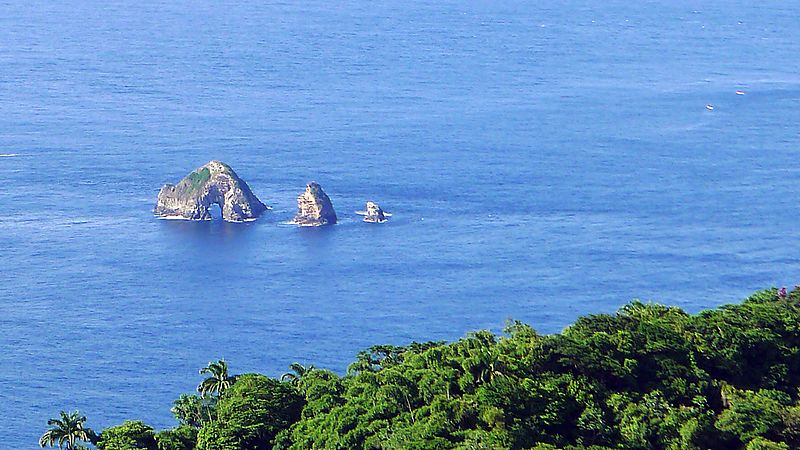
(193, 410)
(218, 380)
(67, 430)
(490, 367)
(299, 372)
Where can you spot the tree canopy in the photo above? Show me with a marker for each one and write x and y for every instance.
(251, 414)
(131, 435)
(647, 377)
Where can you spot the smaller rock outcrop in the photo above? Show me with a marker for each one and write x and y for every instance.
(374, 213)
(214, 183)
(314, 207)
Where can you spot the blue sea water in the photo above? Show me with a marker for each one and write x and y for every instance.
(542, 160)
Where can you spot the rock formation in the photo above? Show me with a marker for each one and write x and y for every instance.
(374, 213)
(213, 183)
(314, 208)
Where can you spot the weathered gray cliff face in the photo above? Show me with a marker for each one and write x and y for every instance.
(314, 208)
(213, 183)
(374, 213)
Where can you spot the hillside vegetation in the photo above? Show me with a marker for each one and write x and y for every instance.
(647, 377)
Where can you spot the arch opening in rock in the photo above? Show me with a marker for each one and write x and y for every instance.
(215, 211)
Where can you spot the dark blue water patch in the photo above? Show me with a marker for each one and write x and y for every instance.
(541, 162)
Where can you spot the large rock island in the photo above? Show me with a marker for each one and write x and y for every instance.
(314, 208)
(214, 183)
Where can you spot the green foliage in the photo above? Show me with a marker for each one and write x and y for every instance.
(67, 431)
(251, 414)
(752, 414)
(218, 379)
(760, 335)
(193, 410)
(131, 435)
(648, 377)
(760, 443)
(198, 178)
(183, 437)
(298, 372)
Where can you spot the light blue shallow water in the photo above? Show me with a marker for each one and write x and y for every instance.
(541, 162)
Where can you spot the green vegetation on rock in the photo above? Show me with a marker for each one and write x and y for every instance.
(198, 178)
(647, 377)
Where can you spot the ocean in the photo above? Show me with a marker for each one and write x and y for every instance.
(542, 160)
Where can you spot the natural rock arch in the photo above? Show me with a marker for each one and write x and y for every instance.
(213, 183)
